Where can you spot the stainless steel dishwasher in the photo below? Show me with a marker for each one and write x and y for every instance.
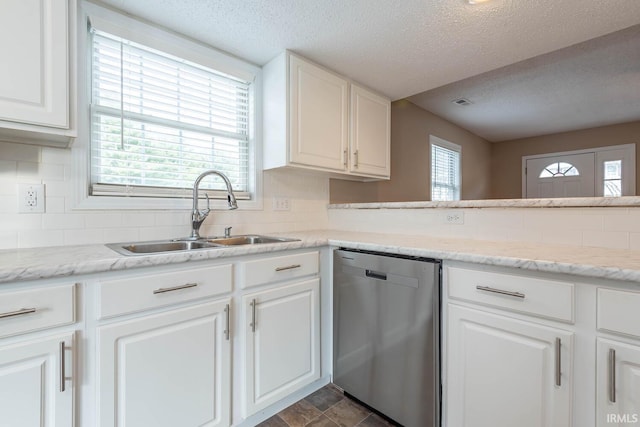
(386, 345)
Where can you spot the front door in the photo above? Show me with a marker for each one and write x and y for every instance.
(571, 175)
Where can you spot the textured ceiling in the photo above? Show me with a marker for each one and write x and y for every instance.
(536, 72)
(595, 83)
(398, 47)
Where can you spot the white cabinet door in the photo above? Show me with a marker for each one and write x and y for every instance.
(34, 81)
(502, 372)
(282, 335)
(166, 370)
(618, 383)
(31, 384)
(319, 118)
(370, 133)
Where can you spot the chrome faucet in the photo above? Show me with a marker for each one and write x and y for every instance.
(198, 216)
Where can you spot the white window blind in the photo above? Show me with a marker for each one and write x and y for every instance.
(445, 171)
(158, 121)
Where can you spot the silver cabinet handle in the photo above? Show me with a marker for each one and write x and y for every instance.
(500, 291)
(253, 315)
(612, 375)
(288, 267)
(344, 157)
(17, 312)
(63, 376)
(226, 329)
(558, 362)
(355, 159)
(175, 288)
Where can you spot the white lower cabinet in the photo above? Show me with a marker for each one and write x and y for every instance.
(36, 387)
(618, 383)
(618, 362)
(504, 372)
(282, 337)
(166, 370)
(164, 339)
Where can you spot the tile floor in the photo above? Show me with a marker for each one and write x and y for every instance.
(327, 407)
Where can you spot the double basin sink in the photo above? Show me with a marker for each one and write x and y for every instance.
(162, 246)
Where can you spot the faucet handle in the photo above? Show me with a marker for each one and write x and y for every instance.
(206, 211)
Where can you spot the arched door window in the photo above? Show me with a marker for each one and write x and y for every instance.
(559, 169)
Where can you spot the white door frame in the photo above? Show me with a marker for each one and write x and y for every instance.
(631, 154)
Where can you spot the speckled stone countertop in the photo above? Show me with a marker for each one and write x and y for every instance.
(38, 263)
(629, 201)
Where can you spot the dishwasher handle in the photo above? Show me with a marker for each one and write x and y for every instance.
(375, 275)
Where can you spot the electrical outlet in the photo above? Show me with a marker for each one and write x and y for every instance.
(31, 198)
(454, 217)
(281, 204)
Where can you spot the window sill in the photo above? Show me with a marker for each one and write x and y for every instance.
(148, 203)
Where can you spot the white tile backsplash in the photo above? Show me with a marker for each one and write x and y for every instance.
(32, 238)
(627, 221)
(599, 227)
(62, 225)
(606, 239)
(308, 194)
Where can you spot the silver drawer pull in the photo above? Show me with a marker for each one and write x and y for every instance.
(612, 375)
(175, 288)
(253, 315)
(63, 375)
(18, 312)
(500, 291)
(227, 321)
(558, 362)
(288, 267)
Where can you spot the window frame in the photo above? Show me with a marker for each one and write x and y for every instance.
(177, 45)
(434, 140)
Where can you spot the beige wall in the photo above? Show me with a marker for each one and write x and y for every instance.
(506, 156)
(410, 160)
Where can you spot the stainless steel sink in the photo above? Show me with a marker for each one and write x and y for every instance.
(162, 246)
(145, 248)
(248, 239)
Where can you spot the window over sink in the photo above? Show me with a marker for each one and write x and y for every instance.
(163, 109)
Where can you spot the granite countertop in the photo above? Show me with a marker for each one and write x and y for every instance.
(50, 262)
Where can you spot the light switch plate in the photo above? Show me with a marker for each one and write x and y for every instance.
(281, 204)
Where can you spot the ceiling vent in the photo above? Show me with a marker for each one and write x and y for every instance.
(462, 101)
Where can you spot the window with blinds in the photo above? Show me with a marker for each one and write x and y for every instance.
(445, 170)
(158, 121)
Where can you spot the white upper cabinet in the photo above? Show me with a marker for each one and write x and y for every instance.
(35, 83)
(316, 119)
(319, 116)
(370, 133)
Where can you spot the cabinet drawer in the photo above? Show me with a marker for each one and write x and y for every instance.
(618, 311)
(540, 297)
(143, 292)
(273, 269)
(36, 308)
